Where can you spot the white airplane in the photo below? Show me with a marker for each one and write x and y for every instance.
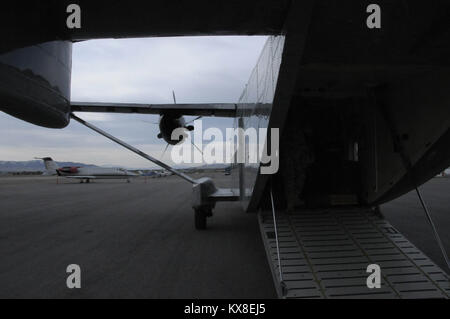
(165, 173)
(85, 174)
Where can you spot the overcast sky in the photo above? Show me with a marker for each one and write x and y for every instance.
(199, 69)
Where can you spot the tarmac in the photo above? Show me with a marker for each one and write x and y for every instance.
(407, 215)
(138, 240)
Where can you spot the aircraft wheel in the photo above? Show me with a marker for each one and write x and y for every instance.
(200, 218)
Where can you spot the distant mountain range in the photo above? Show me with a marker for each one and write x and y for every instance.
(213, 166)
(34, 166)
(38, 166)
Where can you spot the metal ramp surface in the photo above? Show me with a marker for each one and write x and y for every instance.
(325, 254)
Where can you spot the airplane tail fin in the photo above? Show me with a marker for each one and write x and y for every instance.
(50, 166)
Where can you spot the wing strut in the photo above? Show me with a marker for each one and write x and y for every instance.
(407, 163)
(134, 150)
(205, 194)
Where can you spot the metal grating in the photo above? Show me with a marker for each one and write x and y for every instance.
(325, 254)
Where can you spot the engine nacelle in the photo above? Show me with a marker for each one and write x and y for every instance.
(168, 123)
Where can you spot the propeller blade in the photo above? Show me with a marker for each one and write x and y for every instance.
(153, 123)
(197, 147)
(174, 98)
(164, 153)
(197, 118)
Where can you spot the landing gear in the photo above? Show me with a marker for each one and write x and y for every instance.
(201, 215)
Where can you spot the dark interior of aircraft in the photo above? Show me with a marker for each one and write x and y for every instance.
(333, 134)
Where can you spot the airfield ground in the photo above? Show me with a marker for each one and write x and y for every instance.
(137, 240)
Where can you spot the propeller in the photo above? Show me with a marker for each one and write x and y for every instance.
(148, 122)
(201, 152)
(164, 152)
(197, 118)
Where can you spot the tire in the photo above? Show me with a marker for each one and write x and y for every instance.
(200, 219)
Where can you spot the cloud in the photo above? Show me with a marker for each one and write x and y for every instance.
(199, 69)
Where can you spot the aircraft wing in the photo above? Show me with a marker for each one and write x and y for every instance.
(202, 109)
(81, 177)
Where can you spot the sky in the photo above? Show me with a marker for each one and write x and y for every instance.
(198, 69)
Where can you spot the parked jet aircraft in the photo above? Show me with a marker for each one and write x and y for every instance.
(86, 174)
(371, 102)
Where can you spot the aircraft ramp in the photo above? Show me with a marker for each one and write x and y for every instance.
(325, 254)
